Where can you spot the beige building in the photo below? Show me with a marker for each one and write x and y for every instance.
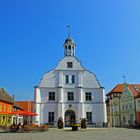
(115, 111)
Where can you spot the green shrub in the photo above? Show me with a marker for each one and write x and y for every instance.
(60, 123)
(84, 123)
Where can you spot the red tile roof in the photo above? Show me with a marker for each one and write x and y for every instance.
(17, 106)
(134, 88)
(4, 96)
(117, 89)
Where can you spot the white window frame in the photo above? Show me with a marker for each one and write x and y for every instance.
(51, 117)
(51, 96)
(88, 97)
(70, 96)
(70, 79)
(89, 117)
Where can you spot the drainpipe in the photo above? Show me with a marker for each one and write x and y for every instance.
(135, 111)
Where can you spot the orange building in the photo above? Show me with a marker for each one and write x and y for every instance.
(6, 106)
(29, 107)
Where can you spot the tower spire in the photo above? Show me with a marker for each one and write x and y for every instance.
(69, 45)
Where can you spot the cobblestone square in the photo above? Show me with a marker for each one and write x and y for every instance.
(67, 134)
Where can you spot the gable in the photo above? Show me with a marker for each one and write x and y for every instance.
(63, 64)
(126, 93)
(69, 66)
(90, 80)
(49, 79)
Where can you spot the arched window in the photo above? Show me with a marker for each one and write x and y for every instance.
(69, 47)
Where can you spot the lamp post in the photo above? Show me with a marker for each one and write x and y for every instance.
(29, 110)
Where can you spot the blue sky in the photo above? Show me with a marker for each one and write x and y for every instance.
(32, 33)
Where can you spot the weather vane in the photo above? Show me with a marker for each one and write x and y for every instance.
(124, 77)
(68, 31)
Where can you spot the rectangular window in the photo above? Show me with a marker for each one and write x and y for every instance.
(7, 109)
(130, 105)
(70, 96)
(73, 79)
(89, 117)
(67, 79)
(0, 108)
(88, 96)
(69, 64)
(51, 96)
(4, 108)
(126, 107)
(70, 79)
(51, 117)
(123, 107)
(10, 109)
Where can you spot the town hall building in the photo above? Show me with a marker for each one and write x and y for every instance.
(71, 92)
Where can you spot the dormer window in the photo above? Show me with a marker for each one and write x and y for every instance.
(69, 64)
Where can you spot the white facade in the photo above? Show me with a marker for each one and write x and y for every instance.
(71, 92)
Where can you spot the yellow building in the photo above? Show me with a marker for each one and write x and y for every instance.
(115, 111)
(113, 105)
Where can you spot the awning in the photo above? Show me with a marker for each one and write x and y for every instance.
(24, 113)
(5, 113)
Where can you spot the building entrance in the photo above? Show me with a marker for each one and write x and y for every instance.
(69, 117)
